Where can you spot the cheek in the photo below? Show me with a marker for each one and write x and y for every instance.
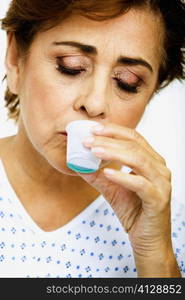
(40, 96)
(43, 100)
(128, 114)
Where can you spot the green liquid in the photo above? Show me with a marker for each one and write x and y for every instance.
(80, 169)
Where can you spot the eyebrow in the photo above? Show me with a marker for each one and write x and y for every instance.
(88, 49)
(84, 48)
(134, 62)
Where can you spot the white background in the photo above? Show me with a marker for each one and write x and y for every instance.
(163, 123)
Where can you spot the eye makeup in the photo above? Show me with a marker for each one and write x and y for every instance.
(69, 71)
(74, 66)
(124, 86)
(127, 80)
(71, 66)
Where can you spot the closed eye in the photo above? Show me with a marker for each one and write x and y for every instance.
(77, 71)
(127, 87)
(69, 71)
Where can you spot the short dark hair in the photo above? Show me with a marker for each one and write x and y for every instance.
(25, 18)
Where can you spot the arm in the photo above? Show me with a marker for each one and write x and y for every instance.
(141, 199)
(159, 264)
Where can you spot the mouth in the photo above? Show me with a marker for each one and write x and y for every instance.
(63, 133)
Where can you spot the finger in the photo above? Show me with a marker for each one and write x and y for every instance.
(134, 183)
(121, 132)
(130, 154)
(141, 164)
(141, 186)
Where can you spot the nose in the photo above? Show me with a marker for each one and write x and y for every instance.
(93, 99)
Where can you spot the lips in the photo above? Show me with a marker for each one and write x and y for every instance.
(63, 133)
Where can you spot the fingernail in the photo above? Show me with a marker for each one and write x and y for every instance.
(98, 150)
(109, 171)
(89, 140)
(126, 169)
(98, 128)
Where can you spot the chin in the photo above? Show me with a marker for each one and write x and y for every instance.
(60, 166)
(70, 172)
(66, 171)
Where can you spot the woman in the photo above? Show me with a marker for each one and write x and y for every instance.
(87, 60)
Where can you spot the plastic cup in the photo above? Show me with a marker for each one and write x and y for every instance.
(79, 158)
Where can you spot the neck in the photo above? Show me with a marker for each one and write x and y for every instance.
(29, 171)
(50, 197)
(36, 173)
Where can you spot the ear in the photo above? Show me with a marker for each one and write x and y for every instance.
(12, 64)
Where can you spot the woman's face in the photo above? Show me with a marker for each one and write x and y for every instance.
(83, 69)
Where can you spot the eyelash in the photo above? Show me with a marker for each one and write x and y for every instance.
(69, 71)
(127, 87)
(75, 72)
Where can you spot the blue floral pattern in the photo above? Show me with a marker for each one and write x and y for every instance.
(93, 244)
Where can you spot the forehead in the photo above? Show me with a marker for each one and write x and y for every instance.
(139, 32)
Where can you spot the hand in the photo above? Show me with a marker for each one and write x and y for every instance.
(140, 199)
